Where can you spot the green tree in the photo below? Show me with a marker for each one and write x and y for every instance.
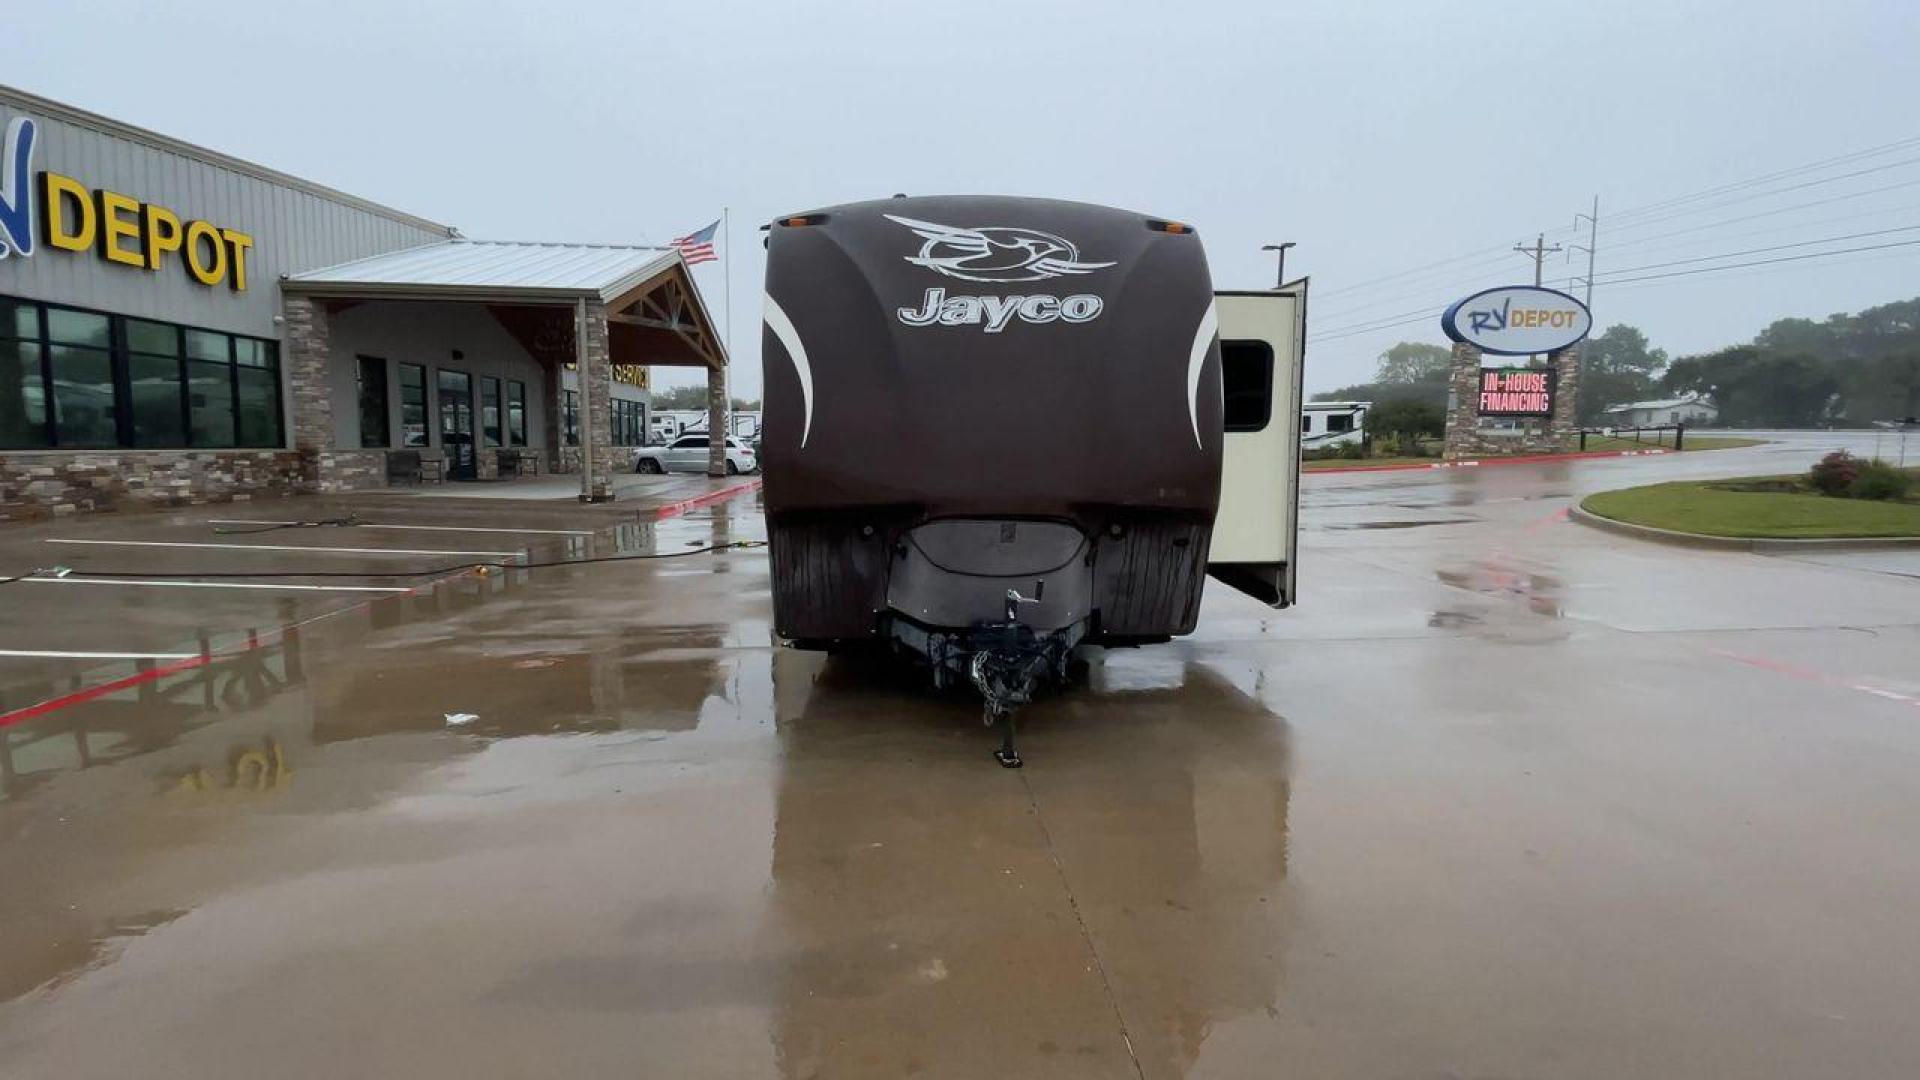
(680, 397)
(1413, 362)
(1406, 419)
(1616, 367)
(1431, 393)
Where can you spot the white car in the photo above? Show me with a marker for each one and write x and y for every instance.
(688, 453)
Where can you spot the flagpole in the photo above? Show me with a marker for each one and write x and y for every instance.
(726, 277)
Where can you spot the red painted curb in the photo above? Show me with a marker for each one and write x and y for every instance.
(1518, 459)
(676, 509)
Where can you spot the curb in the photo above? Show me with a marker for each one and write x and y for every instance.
(675, 509)
(1757, 545)
(1518, 459)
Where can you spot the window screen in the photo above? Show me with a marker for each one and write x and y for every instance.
(1246, 377)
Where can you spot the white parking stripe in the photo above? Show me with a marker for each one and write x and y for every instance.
(410, 528)
(288, 547)
(52, 654)
(213, 584)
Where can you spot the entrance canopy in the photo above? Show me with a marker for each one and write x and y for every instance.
(654, 315)
(606, 310)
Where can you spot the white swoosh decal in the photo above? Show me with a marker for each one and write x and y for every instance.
(1202, 338)
(782, 328)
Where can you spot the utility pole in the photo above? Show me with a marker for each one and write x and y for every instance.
(1538, 253)
(1593, 241)
(1280, 272)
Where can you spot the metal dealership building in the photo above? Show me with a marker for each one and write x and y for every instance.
(180, 326)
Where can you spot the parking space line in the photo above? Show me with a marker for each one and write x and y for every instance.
(414, 528)
(76, 580)
(56, 654)
(287, 547)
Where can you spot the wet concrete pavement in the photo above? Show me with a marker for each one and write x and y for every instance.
(1504, 797)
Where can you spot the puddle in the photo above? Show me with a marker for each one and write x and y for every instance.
(1400, 524)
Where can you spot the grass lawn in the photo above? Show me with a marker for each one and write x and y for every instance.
(1713, 509)
(1596, 442)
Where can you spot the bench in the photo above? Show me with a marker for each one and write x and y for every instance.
(517, 462)
(410, 467)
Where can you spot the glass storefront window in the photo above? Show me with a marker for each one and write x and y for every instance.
(87, 380)
(203, 345)
(259, 400)
(78, 328)
(158, 419)
(84, 403)
(413, 405)
(210, 403)
(23, 395)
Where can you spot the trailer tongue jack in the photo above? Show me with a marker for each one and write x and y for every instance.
(1008, 664)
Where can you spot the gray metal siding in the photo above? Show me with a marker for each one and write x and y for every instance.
(294, 229)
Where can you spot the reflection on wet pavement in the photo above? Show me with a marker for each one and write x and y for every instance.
(1506, 798)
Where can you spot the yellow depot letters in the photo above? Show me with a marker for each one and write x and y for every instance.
(125, 230)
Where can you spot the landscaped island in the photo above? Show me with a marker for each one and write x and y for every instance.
(1870, 501)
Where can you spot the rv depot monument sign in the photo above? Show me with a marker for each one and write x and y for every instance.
(1514, 320)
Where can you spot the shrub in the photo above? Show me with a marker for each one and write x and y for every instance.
(1834, 474)
(1878, 480)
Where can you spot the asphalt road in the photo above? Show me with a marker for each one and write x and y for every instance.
(1503, 797)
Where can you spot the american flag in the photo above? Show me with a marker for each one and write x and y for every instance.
(697, 247)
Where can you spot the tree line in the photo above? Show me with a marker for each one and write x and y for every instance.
(1843, 371)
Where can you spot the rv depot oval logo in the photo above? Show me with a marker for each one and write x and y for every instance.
(1517, 320)
(995, 253)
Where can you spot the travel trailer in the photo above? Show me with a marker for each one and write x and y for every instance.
(997, 428)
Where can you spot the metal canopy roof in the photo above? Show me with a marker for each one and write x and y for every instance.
(493, 269)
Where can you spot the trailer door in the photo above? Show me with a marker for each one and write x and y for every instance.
(1262, 349)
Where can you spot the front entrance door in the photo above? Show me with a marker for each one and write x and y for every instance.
(456, 424)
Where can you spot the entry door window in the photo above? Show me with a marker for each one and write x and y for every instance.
(456, 423)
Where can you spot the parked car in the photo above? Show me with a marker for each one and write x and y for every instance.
(688, 453)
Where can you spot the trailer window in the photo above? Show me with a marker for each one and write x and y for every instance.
(1246, 377)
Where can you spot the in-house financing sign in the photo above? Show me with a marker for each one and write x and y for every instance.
(1517, 320)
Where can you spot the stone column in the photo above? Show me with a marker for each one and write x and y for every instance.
(1566, 397)
(1463, 404)
(553, 388)
(596, 396)
(306, 359)
(716, 421)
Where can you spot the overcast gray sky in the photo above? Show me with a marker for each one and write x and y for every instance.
(1377, 136)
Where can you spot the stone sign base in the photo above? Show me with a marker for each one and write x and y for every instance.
(1465, 439)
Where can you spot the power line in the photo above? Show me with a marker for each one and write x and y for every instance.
(1688, 212)
(1760, 262)
(1737, 185)
(1456, 284)
(1880, 257)
(1626, 219)
(1776, 247)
